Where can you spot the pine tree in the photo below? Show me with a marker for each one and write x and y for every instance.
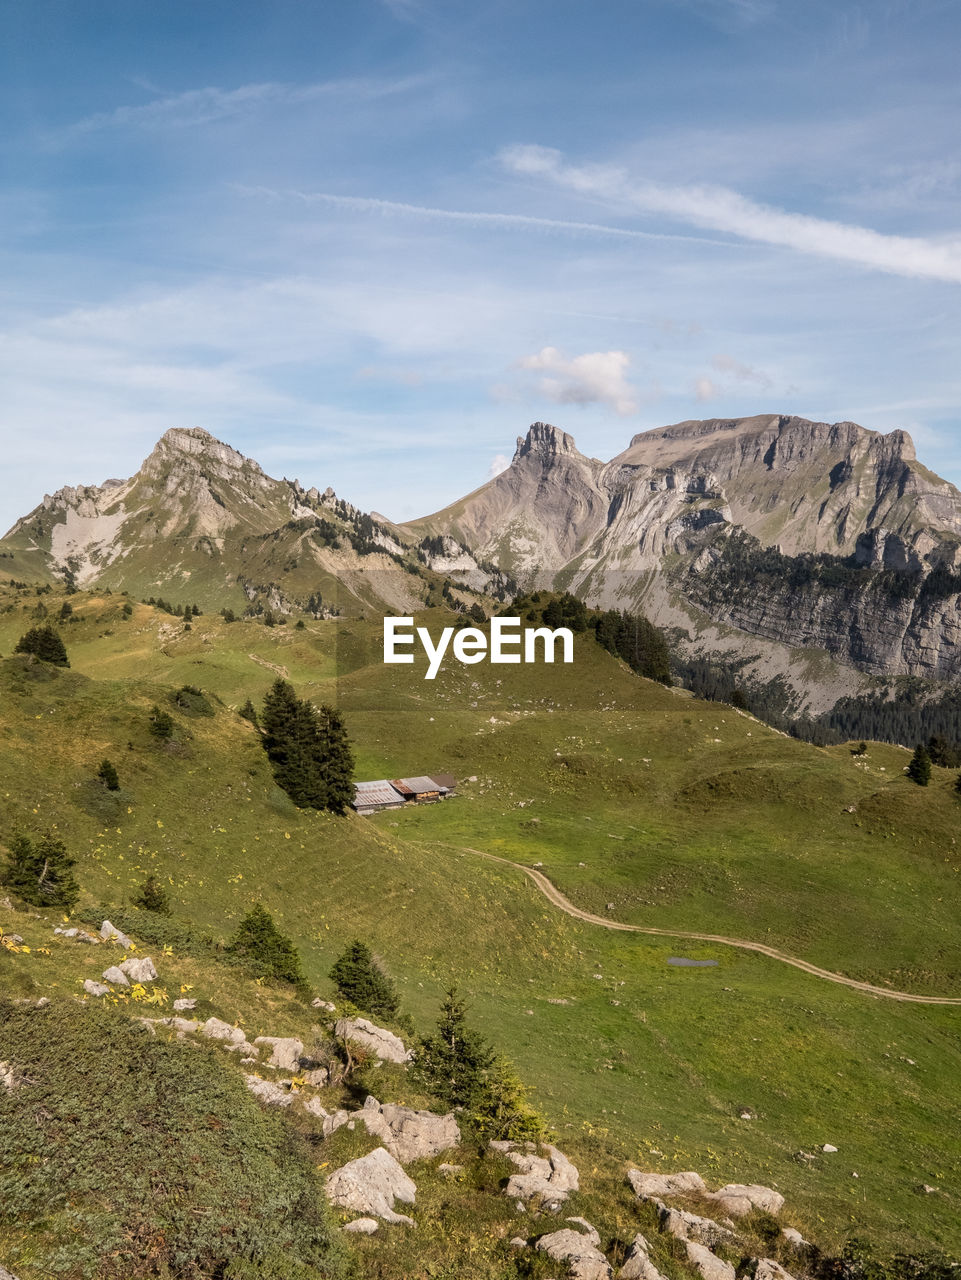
(919, 770)
(362, 981)
(260, 944)
(452, 1063)
(107, 774)
(308, 749)
(44, 643)
(161, 723)
(152, 897)
(249, 712)
(39, 872)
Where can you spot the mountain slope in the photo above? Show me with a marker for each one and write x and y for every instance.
(753, 538)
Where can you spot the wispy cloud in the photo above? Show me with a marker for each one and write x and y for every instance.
(500, 462)
(721, 209)
(740, 372)
(195, 107)
(597, 377)
(518, 221)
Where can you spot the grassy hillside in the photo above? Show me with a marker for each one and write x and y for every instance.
(683, 814)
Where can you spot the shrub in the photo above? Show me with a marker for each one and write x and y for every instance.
(152, 896)
(130, 1157)
(108, 775)
(361, 980)
(192, 700)
(260, 944)
(44, 643)
(161, 723)
(39, 872)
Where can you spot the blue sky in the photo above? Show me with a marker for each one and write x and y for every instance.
(368, 243)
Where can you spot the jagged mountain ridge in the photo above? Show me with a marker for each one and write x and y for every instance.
(724, 530)
(200, 520)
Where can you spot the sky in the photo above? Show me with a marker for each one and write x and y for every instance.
(368, 244)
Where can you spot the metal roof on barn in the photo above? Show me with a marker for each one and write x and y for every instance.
(371, 793)
(416, 786)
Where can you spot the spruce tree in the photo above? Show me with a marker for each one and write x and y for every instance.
(161, 723)
(308, 749)
(39, 872)
(249, 712)
(107, 774)
(152, 897)
(263, 947)
(362, 981)
(919, 770)
(44, 643)
(452, 1063)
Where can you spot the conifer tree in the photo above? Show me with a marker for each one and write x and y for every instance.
(362, 981)
(152, 897)
(107, 774)
(44, 643)
(308, 749)
(161, 723)
(39, 872)
(260, 944)
(919, 770)
(249, 712)
(453, 1061)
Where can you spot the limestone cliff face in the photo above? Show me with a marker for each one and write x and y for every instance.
(654, 527)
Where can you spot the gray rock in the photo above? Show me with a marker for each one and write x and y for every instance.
(585, 1260)
(794, 1237)
(218, 1030)
(110, 933)
(517, 1242)
(183, 1026)
(317, 1003)
(316, 1077)
(67, 933)
(828, 1148)
(363, 1226)
(768, 1269)
(689, 1226)
(116, 976)
(708, 1264)
(140, 969)
(738, 1199)
(286, 1052)
(95, 988)
(638, 1264)
(382, 1043)
(592, 1234)
(650, 1186)
(547, 1179)
(408, 1134)
(274, 1095)
(6, 1275)
(7, 1078)
(336, 1121)
(371, 1185)
(313, 1106)
(184, 1004)
(450, 1170)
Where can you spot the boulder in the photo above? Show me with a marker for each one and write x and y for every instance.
(286, 1052)
(829, 1148)
(710, 1266)
(768, 1269)
(336, 1121)
(407, 1134)
(371, 1185)
(689, 1226)
(363, 1226)
(450, 1170)
(650, 1186)
(183, 1004)
(6, 1275)
(95, 988)
(548, 1179)
(218, 1030)
(314, 1108)
(140, 970)
(317, 1003)
(182, 1026)
(738, 1199)
(383, 1044)
(794, 1237)
(110, 933)
(116, 976)
(579, 1251)
(66, 933)
(638, 1264)
(7, 1078)
(274, 1095)
(316, 1077)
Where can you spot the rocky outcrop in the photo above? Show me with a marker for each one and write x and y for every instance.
(115, 975)
(274, 1095)
(692, 1227)
(707, 1264)
(638, 1264)
(651, 1186)
(139, 969)
(110, 933)
(738, 1200)
(286, 1052)
(579, 1251)
(407, 1134)
(546, 1180)
(382, 1044)
(371, 1186)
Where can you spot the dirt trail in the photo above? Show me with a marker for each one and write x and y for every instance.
(554, 895)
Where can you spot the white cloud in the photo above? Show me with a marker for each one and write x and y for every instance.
(500, 462)
(705, 389)
(597, 377)
(741, 372)
(721, 209)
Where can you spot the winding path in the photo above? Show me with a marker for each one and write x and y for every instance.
(554, 895)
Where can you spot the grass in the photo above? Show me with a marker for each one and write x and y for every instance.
(632, 1060)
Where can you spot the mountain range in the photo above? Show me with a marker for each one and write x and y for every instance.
(821, 555)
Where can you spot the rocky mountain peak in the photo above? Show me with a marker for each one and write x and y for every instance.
(196, 448)
(545, 439)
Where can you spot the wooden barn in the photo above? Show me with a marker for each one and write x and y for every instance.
(372, 797)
